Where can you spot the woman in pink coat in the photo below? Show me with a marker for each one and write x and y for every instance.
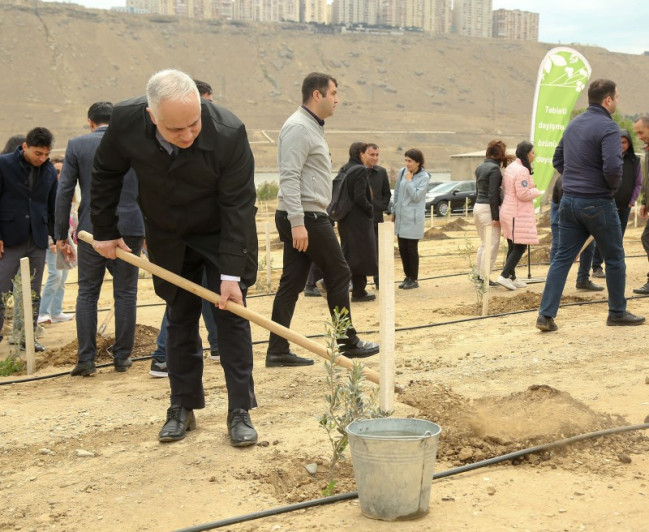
(517, 218)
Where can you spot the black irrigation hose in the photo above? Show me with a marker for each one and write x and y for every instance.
(443, 474)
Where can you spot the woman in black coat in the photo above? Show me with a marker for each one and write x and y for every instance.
(357, 228)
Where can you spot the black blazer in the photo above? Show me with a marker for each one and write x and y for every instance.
(21, 209)
(204, 198)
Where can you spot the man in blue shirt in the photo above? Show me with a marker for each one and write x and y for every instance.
(589, 157)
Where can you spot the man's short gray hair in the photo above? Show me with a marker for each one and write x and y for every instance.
(644, 119)
(169, 84)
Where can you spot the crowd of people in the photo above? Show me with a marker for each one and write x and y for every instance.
(172, 173)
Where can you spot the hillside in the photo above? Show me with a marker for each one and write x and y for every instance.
(457, 93)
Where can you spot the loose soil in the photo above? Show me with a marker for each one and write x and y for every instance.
(82, 453)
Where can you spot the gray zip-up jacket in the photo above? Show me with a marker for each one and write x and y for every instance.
(304, 168)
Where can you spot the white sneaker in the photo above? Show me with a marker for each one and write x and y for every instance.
(507, 283)
(62, 317)
(44, 318)
(519, 284)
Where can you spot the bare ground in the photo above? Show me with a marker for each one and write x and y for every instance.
(81, 453)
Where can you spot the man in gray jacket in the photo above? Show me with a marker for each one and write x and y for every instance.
(302, 221)
(77, 167)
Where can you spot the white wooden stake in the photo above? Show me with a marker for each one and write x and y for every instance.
(486, 269)
(269, 269)
(28, 318)
(466, 207)
(386, 322)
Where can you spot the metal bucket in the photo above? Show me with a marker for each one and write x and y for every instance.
(393, 461)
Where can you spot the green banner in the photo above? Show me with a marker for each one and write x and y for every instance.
(563, 74)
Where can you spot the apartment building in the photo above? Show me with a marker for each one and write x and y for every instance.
(515, 25)
(472, 18)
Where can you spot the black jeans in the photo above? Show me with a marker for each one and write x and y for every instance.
(185, 349)
(325, 252)
(514, 254)
(409, 251)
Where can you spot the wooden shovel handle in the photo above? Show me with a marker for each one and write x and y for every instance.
(235, 308)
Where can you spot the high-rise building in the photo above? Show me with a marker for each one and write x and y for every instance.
(356, 11)
(290, 10)
(472, 18)
(515, 25)
(431, 15)
(313, 11)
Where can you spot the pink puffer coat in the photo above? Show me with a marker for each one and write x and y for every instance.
(517, 211)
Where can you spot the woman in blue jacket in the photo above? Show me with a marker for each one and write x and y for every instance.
(409, 214)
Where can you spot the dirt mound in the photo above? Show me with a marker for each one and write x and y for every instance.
(546, 240)
(521, 300)
(145, 343)
(474, 430)
(435, 233)
(543, 220)
(540, 255)
(458, 224)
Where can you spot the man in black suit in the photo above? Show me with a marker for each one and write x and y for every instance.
(381, 195)
(27, 193)
(77, 168)
(195, 172)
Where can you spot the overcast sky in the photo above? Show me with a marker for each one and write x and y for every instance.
(618, 27)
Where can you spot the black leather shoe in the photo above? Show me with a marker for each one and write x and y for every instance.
(410, 284)
(599, 273)
(546, 324)
(242, 433)
(123, 364)
(364, 297)
(644, 289)
(626, 319)
(38, 348)
(179, 421)
(286, 359)
(590, 286)
(360, 350)
(84, 369)
(403, 283)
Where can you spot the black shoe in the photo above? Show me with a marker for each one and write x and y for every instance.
(359, 350)
(363, 298)
(410, 284)
(38, 348)
(311, 291)
(242, 433)
(376, 282)
(403, 283)
(644, 289)
(599, 273)
(158, 369)
(179, 421)
(626, 319)
(123, 364)
(83, 369)
(546, 323)
(590, 286)
(286, 359)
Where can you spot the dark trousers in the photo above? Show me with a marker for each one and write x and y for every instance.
(315, 274)
(359, 283)
(91, 271)
(514, 254)
(9, 266)
(324, 250)
(624, 220)
(409, 251)
(185, 349)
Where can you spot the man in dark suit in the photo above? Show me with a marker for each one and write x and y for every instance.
(381, 195)
(195, 171)
(27, 193)
(77, 168)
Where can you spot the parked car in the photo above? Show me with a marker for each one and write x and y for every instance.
(453, 195)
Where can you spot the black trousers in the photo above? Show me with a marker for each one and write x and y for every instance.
(409, 251)
(325, 252)
(185, 349)
(514, 254)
